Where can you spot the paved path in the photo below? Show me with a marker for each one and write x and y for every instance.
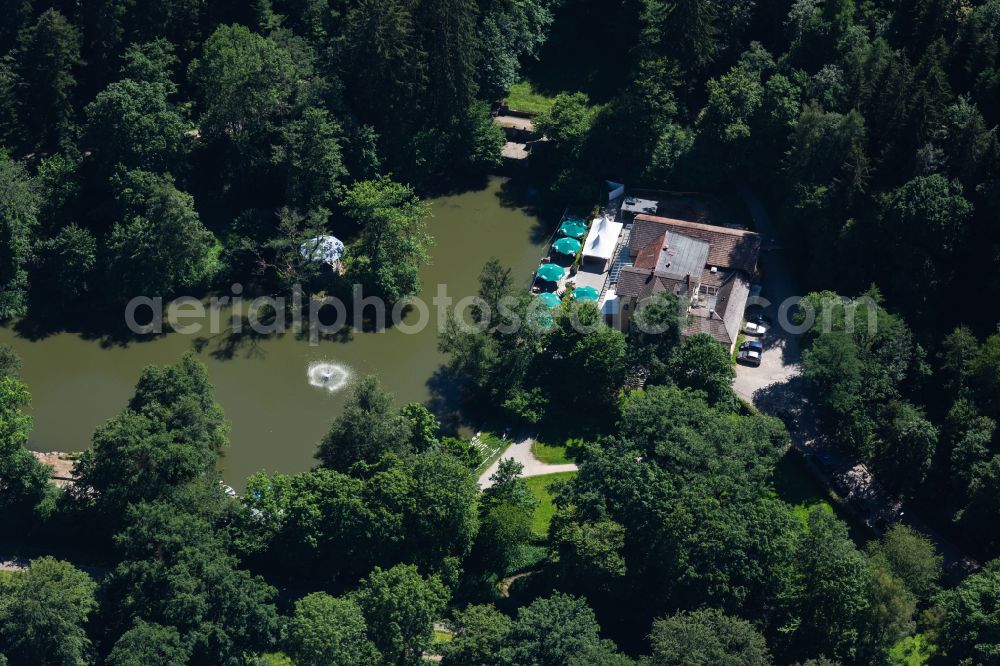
(777, 388)
(13, 563)
(521, 452)
(780, 361)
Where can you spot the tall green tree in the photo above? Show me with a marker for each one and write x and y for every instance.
(588, 549)
(43, 614)
(67, 264)
(171, 434)
(175, 571)
(583, 349)
(442, 521)
(425, 429)
(506, 509)
(327, 631)
(551, 631)
(932, 215)
(479, 634)
(47, 57)
(833, 366)
(59, 186)
(18, 219)
(22, 478)
(385, 68)
(151, 62)
(148, 643)
(706, 637)
(310, 154)
(158, 244)
(401, 607)
(655, 332)
(830, 603)
(685, 30)
(912, 557)
(970, 629)
(131, 123)
(567, 123)
(905, 448)
(701, 363)
(10, 362)
(393, 246)
(369, 427)
(449, 37)
(957, 356)
(509, 31)
(244, 83)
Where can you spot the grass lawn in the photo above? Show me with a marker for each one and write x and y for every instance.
(551, 454)
(442, 636)
(276, 659)
(546, 509)
(796, 485)
(523, 97)
(736, 348)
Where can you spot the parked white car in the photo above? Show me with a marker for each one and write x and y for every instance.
(756, 325)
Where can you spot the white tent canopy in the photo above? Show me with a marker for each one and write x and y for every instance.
(327, 249)
(602, 239)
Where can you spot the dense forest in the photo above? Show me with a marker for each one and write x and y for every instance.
(171, 146)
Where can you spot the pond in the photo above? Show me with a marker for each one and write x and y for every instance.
(277, 414)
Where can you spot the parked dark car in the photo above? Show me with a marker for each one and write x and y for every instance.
(751, 352)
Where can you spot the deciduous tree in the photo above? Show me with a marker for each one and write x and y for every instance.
(150, 643)
(479, 634)
(394, 239)
(401, 607)
(18, 211)
(369, 427)
(22, 478)
(43, 614)
(158, 244)
(327, 631)
(706, 637)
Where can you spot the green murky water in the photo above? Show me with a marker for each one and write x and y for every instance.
(277, 416)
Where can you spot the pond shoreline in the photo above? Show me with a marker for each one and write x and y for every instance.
(79, 381)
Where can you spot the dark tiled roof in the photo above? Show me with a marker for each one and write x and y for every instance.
(731, 303)
(701, 322)
(674, 253)
(710, 279)
(728, 248)
(649, 255)
(641, 282)
(723, 322)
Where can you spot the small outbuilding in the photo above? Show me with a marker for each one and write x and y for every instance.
(324, 249)
(633, 206)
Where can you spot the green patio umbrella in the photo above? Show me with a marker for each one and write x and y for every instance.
(566, 246)
(550, 299)
(573, 228)
(585, 294)
(550, 272)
